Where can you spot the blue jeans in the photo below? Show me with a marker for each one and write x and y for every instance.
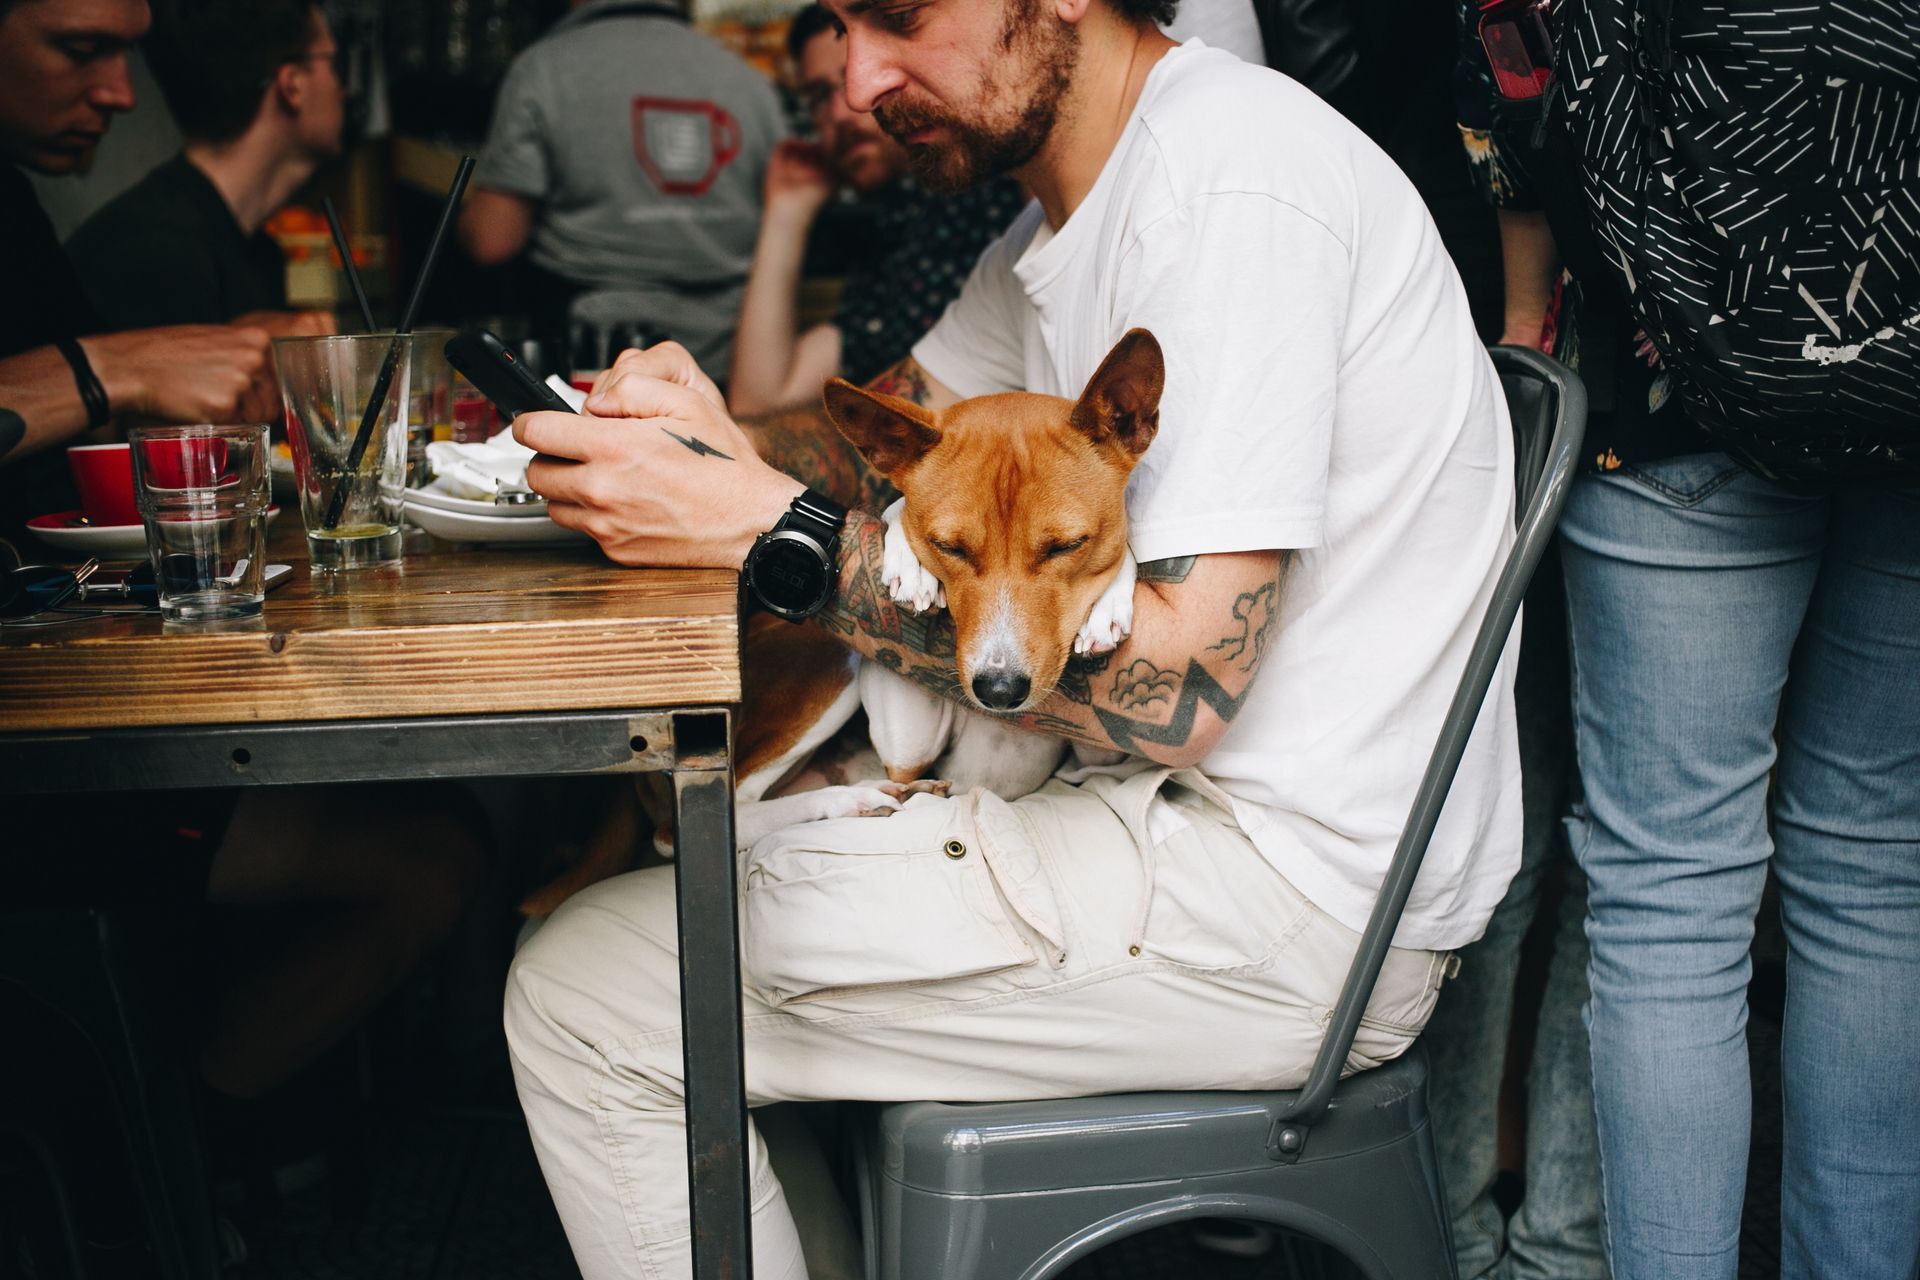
(1723, 628)
(1555, 1233)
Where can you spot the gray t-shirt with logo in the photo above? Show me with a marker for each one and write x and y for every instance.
(645, 144)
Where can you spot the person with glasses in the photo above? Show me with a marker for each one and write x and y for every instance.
(257, 89)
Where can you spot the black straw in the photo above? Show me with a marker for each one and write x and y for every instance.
(346, 260)
(377, 401)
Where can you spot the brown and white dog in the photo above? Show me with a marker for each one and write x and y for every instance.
(1013, 516)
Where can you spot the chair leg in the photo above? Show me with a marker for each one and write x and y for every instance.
(106, 973)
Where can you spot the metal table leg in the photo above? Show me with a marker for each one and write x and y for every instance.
(710, 997)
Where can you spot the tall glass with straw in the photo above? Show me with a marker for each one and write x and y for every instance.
(347, 407)
(327, 384)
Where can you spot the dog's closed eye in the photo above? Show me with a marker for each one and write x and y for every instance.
(1054, 550)
(946, 548)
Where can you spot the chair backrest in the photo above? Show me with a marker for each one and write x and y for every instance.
(1548, 406)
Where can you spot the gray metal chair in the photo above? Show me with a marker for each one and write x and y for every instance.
(1019, 1191)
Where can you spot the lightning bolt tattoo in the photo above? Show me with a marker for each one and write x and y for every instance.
(700, 447)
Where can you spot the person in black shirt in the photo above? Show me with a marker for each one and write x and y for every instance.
(63, 77)
(256, 89)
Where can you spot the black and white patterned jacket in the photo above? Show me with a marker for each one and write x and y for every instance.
(1752, 171)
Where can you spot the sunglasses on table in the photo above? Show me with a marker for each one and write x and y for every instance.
(1518, 42)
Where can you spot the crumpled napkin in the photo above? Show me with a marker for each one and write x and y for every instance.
(479, 471)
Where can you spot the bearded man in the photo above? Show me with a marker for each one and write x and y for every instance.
(1319, 523)
(916, 250)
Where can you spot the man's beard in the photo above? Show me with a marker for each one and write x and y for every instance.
(976, 150)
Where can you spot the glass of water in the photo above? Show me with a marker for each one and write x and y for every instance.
(202, 493)
(352, 488)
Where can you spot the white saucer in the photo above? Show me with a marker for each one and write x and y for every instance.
(118, 541)
(484, 507)
(460, 526)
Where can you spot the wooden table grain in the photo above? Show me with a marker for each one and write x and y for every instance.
(451, 633)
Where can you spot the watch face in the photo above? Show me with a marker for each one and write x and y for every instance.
(789, 574)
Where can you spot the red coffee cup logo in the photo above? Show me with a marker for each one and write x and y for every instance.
(683, 143)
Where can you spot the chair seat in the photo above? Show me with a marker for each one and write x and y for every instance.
(1022, 1189)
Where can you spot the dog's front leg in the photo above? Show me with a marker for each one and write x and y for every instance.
(908, 581)
(1111, 619)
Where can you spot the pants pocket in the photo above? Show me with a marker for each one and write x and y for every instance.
(1217, 906)
(929, 894)
(1683, 481)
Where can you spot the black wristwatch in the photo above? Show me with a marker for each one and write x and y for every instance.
(793, 566)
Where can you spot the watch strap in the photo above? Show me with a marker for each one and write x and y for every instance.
(817, 516)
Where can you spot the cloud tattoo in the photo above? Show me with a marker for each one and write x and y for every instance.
(1140, 684)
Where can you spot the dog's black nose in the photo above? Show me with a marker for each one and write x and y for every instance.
(1001, 690)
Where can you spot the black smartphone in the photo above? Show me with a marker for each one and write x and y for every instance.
(491, 368)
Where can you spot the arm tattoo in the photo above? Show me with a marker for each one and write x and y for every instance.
(806, 445)
(1173, 570)
(906, 380)
(700, 447)
(1198, 686)
(1076, 680)
(1140, 684)
(863, 606)
(1254, 612)
(1135, 705)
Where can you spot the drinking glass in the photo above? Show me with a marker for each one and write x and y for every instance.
(202, 493)
(430, 404)
(351, 506)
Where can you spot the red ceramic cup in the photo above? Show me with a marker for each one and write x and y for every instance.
(104, 475)
(184, 464)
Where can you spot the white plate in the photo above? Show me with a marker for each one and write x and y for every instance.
(439, 501)
(119, 541)
(459, 526)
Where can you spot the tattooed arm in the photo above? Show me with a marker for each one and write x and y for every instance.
(1201, 625)
(680, 483)
(807, 446)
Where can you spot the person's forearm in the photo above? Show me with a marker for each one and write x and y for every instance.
(1166, 693)
(1531, 260)
(763, 346)
(806, 445)
(38, 385)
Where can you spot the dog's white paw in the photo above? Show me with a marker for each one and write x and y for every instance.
(855, 800)
(1111, 619)
(908, 581)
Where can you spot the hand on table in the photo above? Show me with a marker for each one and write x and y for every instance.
(187, 373)
(290, 324)
(655, 471)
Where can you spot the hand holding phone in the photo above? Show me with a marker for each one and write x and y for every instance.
(492, 369)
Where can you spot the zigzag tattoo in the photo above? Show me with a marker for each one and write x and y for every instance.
(1199, 686)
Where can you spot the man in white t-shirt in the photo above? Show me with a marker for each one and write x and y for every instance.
(1319, 521)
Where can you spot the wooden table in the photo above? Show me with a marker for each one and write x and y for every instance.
(474, 663)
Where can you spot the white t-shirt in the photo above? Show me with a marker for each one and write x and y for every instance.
(1326, 393)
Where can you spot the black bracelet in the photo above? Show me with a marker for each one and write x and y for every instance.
(92, 395)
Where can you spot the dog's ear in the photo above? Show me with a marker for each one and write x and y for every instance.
(890, 433)
(1122, 399)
